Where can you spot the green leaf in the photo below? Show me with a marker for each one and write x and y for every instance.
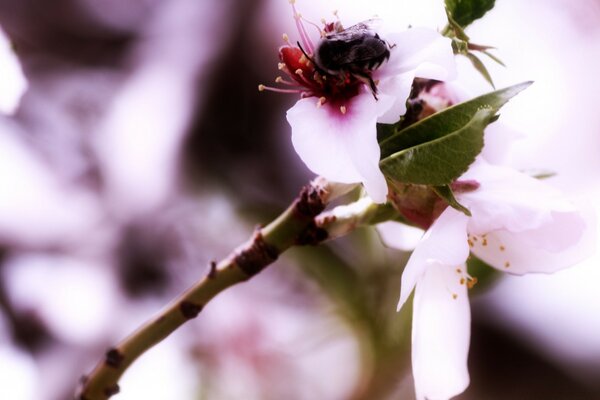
(494, 58)
(480, 67)
(445, 192)
(447, 121)
(464, 12)
(440, 161)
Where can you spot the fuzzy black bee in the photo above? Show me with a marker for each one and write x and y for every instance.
(356, 51)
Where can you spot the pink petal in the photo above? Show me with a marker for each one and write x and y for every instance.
(423, 51)
(399, 87)
(341, 147)
(440, 334)
(508, 199)
(399, 236)
(444, 243)
(570, 238)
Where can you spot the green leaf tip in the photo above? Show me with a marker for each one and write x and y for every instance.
(464, 12)
(442, 160)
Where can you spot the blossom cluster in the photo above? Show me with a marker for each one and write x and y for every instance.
(514, 222)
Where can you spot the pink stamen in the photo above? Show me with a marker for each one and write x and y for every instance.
(302, 30)
(277, 90)
(285, 82)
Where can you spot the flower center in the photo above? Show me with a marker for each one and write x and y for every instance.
(309, 78)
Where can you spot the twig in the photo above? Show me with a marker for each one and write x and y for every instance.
(294, 226)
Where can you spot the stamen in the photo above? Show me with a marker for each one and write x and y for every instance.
(343, 109)
(282, 81)
(262, 88)
(471, 282)
(301, 29)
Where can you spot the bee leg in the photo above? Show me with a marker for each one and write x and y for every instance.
(368, 80)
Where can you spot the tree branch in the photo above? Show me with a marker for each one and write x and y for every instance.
(294, 226)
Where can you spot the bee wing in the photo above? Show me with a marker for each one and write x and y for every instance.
(364, 27)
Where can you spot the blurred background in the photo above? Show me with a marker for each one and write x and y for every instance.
(141, 150)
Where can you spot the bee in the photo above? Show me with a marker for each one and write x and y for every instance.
(356, 51)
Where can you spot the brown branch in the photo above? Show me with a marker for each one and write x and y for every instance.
(293, 226)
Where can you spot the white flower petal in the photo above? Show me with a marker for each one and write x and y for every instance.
(440, 334)
(498, 140)
(445, 243)
(399, 236)
(14, 82)
(508, 199)
(422, 50)
(569, 239)
(341, 147)
(399, 87)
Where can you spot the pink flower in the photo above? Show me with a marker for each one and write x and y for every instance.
(518, 225)
(334, 123)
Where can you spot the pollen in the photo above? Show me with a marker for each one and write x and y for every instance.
(458, 271)
(343, 109)
(462, 281)
(471, 282)
(507, 264)
(471, 244)
(454, 296)
(484, 242)
(502, 248)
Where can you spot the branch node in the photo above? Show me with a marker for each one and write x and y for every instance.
(257, 256)
(310, 201)
(111, 390)
(189, 309)
(114, 358)
(312, 235)
(212, 272)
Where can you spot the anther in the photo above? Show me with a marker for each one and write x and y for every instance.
(280, 66)
(454, 296)
(278, 79)
(261, 88)
(285, 38)
(321, 101)
(298, 71)
(506, 264)
(471, 244)
(502, 248)
(471, 282)
(343, 109)
(458, 271)
(303, 59)
(462, 281)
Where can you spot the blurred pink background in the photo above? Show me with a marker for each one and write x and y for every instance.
(141, 150)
